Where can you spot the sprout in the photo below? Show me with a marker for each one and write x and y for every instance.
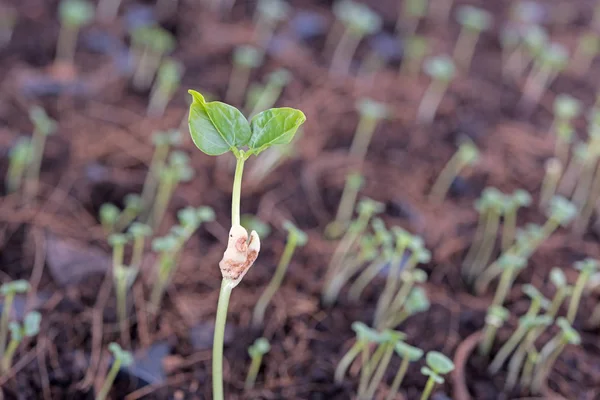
(109, 214)
(520, 198)
(496, 317)
(416, 302)
(123, 278)
(139, 232)
(408, 354)
(259, 348)
(473, 20)
(415, 49)
(364, 337)
(43, 126)
(586, 268)
(566, 108)
(73, 15)
(9, 290)
(412, 12)
(268, 14)
(19, 158)
(466, 155)
(245, 59)
(150, 44)
(441, 70)
(117, 241)
(166, 84)
(253, 223)
(554, 170)
(268, 96)
(121, 358)
(295, 238)
(373, 371)
(30, 328)
(354, 182)
(437, 365)
(587, 49)
(511, 265)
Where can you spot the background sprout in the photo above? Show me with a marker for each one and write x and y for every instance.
(441, 70)
(107, 10)
(559, 280)
(364, 336)
(30, 328)
(359, 20)
(73, 15)
(466, 155)
(511, 265)
(437, 365)
(269, 95)
(520, 198)
(587, 49)
(268, 14)
(43, 126)
(9, 290)
(412, 12)
(245, 59)
(415, 50)
(118, 241)
(586, 268)
(408, 354)
(259, 348)
(473, 20)
(150, 44)
(121, 358)
(134, 205)
(123, 278)
(354, 182)
(496, 317)
(253, 223)
(375, 369)
(19, 158)
(554, 170)
(566, 108)
(109, 215)
(416, 302)
(166, 84)
(295, 238)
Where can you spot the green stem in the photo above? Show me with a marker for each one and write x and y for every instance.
(14, 176)
(391, 284)
(366, 276)
(110, 378)
(465, 47)
(445, 178)
(487, 244)
(253, 372)
(489, 334)
(152, 177)
(379, 372)
(545, 362)
(368, 364)
(267, 98)
(163, 196)
(344, 52)
(557, 301)
(576, 296)
(345, 208)
(237, 189)
(347, 360)
(138, 252)
(508, 229)
(121, 292)
(507, 348)
(8, 355)
(475, 245)
(431, 101)
(147, 65)
(428, 388)
(6, 310)
(398, 379)
(362, 138)
(118, 254)
(218, 342)
(506, 280)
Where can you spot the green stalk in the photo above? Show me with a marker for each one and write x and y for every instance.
(487, 244)
(163, 196)
(509, 228)
(576, 296)
(6, 310)
(161, 282)
(379, 372)
(347, 360)
(152, 177)
(138, 252)
(506, 281)
(14, 176)
(343, 53)
(366, 276)
(476, 244)
(489, 334)
(431, 101)
(557, 301)
(110, 378)
(465, 47)
(528, 368)
(445, 178)
(121, 294)
(368, 366)
(587, 209)
(253, 372)
(267, 98)
(220, 322)
(8, 355)
(514, 366)
(346, 206)
(428, 388)
(391, 284)
(237, 189)
(398, 379)
(584, 183)
(147, 65)
(547, 358)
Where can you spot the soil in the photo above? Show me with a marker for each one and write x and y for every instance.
(101, 151)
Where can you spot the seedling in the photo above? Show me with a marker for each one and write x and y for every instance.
(295, 238)
(245, 59)
(466, 155)
(19, 158)
(402, 296)
(122, 358)
(109, 215)
(268, 14)
(253, 223)
(9, 290)
(276, 82)
(359, 21)
(217, 128)
(566, 109)
(107, 10)
(43, 126)
(133, 207)
(495, 318)
(441, 69)
(408, 354)
(532, 41)
(365, 336)
(374, 370)
(586, 268)
(150, 44)
(73, 15)
(123, 278)
(412, 12)
(166, 84)
(520, 198)
(260, 347)
(139, 232)
(587, 49)
(415, 49)
(8, 20)
(551, 351)
(554, 170)
(118, 241)
(473, 21)
(416, 302)
(437, 365)
(30, 328)
(587, 157)
(563, 289)
(510, 265)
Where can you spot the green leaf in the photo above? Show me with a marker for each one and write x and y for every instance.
(216, 127)
(274, 126)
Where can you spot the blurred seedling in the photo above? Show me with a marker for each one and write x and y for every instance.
(265, 97)
(473, 21)
(138, 232)
(437, 365)
(531, 42)
(43, 126)
(169, 247)
(268, 14)
(409, 16)
(245, 59)
(295, 238)
(587, 154)
(358, 21)
(109, 215)
(415, 49)
(408, 354)
(365, 337)
(586, 51)
(259, 348)
(149, 44)
(550, 352)
(496, 317)
(371, 113)
(416, 302)
(520, 198)
(366, 209)
(8, 291)
(566, 109)
(253, 223)
(19, 158)
(177, 170)
(30, 328)
(121, 358)
(466, 155)
(217, 128)
(441, 70)
(117, 242)
(73, 15)
(511, 265)
(133, 207)
(402, 295)
(586, 269)
(554, 170)
(8, 21)
(563, 289)
(168, 78)
(123, 278)
(108, 10)
(374, 367)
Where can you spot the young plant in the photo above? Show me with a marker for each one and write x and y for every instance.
(18, 160)
(566, 109)
(587, 49)
(107, 10)
(511, 265)
(437, 365)
(466, 155)
(43, 126)
(563, 289)
(408, 354)
(268, 14)
(531, 42)
(374, 369)
(359, 21)
(441, 69)
(118, 241)
(133, 207)
(138, 232)
(245, 59)
(520, 198)
(415, 49)
(121, 358)
(9, 290)
(473, 21)
(496, 317)
(30, 328)
(149, 44)
(123, 278)
(416, 302)
(73, 15)
(365, 337)
(109, 215)
(269, 94)
(259, 348)
(554, 170)
(168, 78)
(586, 268)
(217, 128)
(408, 19)
(295, 239)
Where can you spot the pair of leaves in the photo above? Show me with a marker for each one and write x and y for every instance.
(217, 128)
